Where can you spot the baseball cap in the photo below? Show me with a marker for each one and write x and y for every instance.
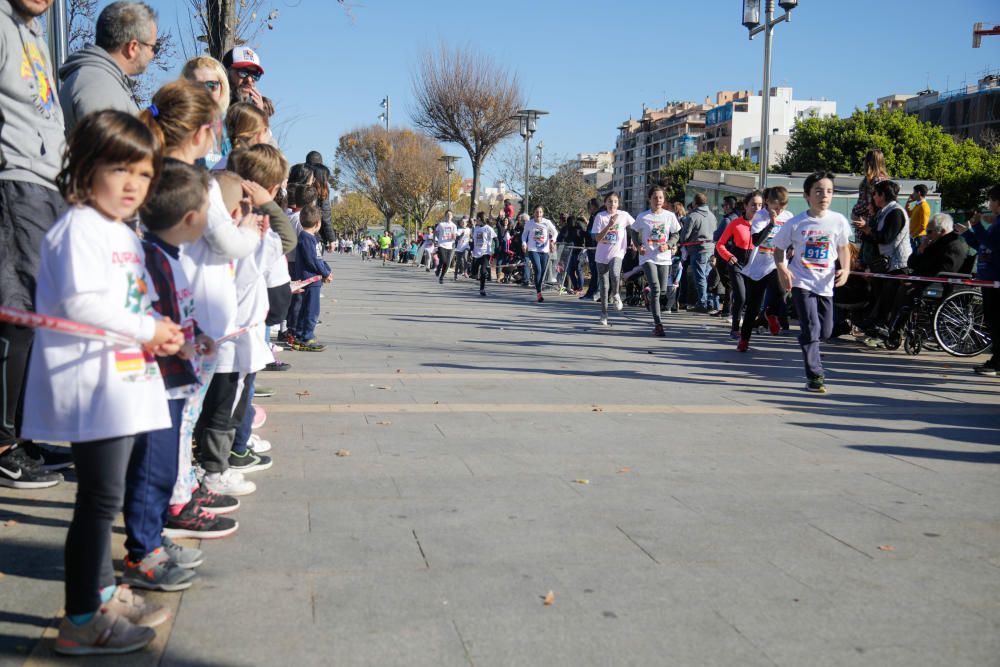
(242, 57)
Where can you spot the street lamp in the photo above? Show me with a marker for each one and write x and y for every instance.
(527, 124)
(384, 116)
(449, 164)
(751, 20)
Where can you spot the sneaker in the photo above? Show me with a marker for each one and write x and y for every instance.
(816, 385)
(156, 572)
(482, 292)
(773, 326)
(258, 444)
(263, 392)
(213, 502)
(540, 298)
(106, 633)
(19, 471)
(259, 416)
(249, 461)
(603, 322)
(734, 334)
(199, 524)
(277, 366)
(743, 345)
(186, 558)
(130, 605)
(311, 346)
(618, 302)
(596, 298)
(658, 331)
(986, 369)
(47, 458)
(229, 483)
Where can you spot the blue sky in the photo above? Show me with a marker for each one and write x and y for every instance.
(592, 64)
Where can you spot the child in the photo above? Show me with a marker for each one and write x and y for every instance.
(483, 238)
(308, 263)
(176, 213)
(818, 237)
(101, 395)
(759, 276)
(609, 233)
(716, 289)
(658, 231)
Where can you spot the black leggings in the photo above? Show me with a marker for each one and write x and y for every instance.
(755, 298)
(15, 347)
(481, 268)
(444, 260)
(101, 466)
(739, 292)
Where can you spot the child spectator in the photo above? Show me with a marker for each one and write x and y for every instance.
(819, 237)
(309, 263)
(100, 396)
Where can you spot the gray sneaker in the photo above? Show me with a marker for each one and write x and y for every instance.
(186, 558)
(156, 572)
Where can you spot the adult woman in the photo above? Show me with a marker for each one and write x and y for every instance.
(734, 247)
(610, 233)
(658, 231)
(539, 239)
(210, 73)
(874, 172)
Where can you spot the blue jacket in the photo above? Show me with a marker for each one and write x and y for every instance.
(987, 243)
(308, 259)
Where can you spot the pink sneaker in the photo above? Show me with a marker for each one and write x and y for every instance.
(259, 416)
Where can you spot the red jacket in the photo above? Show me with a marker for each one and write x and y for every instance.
(739, 232)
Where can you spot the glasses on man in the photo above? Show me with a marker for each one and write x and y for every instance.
(248, 73)
(212, 86)
(154, 47)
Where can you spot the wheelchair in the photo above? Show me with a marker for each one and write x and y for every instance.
(944, 316)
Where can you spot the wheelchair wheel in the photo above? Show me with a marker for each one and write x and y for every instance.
(912, 343)
(893, 341)
(958, 324)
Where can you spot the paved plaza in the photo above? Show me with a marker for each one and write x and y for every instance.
(450, 460)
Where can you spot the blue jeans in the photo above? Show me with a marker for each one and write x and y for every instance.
(575, 272)
(539, 262)
(305, 328)
(815, 314)
(701, 269)
(246, 425)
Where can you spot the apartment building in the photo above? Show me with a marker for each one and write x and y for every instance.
(969, 112)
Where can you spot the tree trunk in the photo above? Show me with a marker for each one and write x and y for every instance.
(475, 188)
(221, 21)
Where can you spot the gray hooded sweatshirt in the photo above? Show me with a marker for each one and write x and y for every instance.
(92, 81)
(31, 122)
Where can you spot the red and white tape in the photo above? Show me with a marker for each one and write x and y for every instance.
(930, 279)
(296, 285)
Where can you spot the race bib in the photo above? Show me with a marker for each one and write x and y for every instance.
(816, 254)
(611, 238)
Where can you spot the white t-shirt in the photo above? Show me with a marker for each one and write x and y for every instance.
(274, 263)
(462, 244)
(654, 230)
(538, 235)
(482, 240)
(761, 260)
(445, 234)
(815, 241)
(92, 270)
(614, 243)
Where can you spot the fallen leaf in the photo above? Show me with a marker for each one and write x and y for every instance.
(549, 599)
(597, 408)
(399, 370)
(383, 388)
(886, 547)
(343, 452)
(437, 402)
(383, 423)
(9, 522)
(581, 481)
(624, 470)
(305, 392)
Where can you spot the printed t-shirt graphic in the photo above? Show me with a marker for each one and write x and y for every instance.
(654, 232)
(613, 243)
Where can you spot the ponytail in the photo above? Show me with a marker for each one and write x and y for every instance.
(178, 110)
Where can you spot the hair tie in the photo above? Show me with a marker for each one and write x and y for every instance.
(154, 111)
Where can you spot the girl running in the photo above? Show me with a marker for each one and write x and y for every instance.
(734, 247)
(539, 239)
(609, 232)
(658, 231)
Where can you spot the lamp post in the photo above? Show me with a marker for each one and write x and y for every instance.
(384, 116)
(751, 20)
(527, 121)
(449, 165)
(540, 146)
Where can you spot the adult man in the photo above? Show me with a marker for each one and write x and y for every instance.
(31, 147)
(243, 66)
(98, 77)
(698, 230)
(919, 212)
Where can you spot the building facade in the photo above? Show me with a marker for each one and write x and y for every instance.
(970, 112)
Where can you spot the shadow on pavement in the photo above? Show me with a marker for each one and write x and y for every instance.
(939, 454)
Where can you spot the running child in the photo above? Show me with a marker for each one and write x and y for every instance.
(538, 240)
(817, 237)
(609, 231)
(100, 395)
(483, 237)
(444, 236)
(658, 231)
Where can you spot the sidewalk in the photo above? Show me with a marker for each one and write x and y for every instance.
(685, 504)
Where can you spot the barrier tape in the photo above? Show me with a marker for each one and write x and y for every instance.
(26, 318)
(299, 284)
(930, 279)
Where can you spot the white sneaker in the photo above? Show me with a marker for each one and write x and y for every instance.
(258, 444)
(618, 302)
(604, 322)
(230, 483)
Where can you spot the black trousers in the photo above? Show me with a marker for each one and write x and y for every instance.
(101, 466)
(991, 313)
(15, 347)
(444, 261)
(221, 413)
(481, 269)
(756, 289)
(739, 291)
(592, 268)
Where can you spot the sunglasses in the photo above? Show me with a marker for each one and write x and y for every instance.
(212, 86)
(245, 73)
(154, 47)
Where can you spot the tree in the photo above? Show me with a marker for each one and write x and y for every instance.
(354, 213)
(363, 155)
(465, 98)
(674, 176)
(912, 149)
(565, 191)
